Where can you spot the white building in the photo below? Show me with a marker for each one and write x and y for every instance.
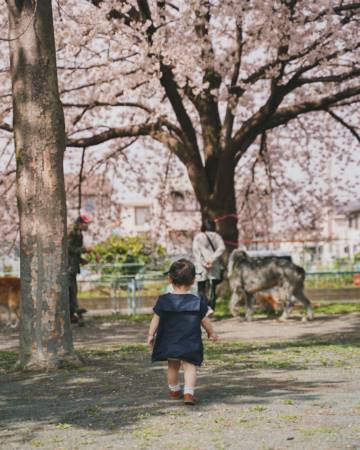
(336, 238)
(172, 219)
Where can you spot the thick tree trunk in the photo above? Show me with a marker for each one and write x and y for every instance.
(45, 333)
(222, 204)
(225, 216)
(217, 200)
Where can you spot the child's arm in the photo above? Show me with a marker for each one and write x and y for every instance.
(152, 329)
(207, 325)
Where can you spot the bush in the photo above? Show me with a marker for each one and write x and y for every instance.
(127, 250)
(357, 258)
(7, 269)
(342, 263)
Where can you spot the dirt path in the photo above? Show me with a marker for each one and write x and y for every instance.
(266, 386)
(270, 329)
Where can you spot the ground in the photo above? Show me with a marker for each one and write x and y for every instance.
(266, 385)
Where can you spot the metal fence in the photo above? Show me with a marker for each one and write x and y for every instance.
(132, 288)
(134, 293)
(334, 280)
(124, 288)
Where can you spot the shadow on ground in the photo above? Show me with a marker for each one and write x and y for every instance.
(119, 386)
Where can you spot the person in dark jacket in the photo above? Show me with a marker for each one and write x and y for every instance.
(75, 250)
(175, 330)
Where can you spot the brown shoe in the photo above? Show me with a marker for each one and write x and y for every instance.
(175, 395)
(189, 399)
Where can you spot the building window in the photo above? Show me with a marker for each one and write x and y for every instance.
(142, 215)
(183, 201)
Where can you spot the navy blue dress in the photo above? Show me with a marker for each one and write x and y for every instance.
(179, 332)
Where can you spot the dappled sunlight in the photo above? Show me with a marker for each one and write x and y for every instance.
(243, 385)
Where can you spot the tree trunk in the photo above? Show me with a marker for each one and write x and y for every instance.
(225, 216)
(45, 333)
(222, 202)
(218, 200)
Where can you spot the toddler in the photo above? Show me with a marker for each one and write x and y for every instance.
(175, 330)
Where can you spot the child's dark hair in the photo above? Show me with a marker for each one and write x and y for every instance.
(182, 272)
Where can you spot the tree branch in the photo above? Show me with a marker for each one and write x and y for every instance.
(285, 114)
(6, 127)
(114, 133)
(96, 104)
(345, 124)
(330, 78)
(228, 124)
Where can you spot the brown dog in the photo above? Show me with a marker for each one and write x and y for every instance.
(10, 296)
(268, 297)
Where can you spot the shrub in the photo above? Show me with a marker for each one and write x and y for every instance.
(127, 250)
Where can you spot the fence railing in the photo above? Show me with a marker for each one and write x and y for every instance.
(332, 280)
(132, 287)
(127, 285)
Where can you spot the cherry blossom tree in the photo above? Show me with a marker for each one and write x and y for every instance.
(211, 81)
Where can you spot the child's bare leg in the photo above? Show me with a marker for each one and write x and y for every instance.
(173, 374)
(189, 377)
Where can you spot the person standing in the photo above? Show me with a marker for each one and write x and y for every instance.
(208, 247)
(75, 250)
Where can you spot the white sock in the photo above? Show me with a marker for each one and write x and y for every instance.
(175, 387)
(189, 390)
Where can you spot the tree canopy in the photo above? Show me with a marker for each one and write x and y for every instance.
(207, 80)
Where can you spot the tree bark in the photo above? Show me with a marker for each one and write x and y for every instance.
(217, 200)
(222, 203)
(45, 333)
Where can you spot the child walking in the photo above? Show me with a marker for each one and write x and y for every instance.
(175, 330)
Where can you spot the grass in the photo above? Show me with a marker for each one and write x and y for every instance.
(286, 355)
(63, 426)
(8, 360)
(333, 281)
(240, 355)
(322, 430)
(288, 401)
(288, 418)
(128, 351)
(334, 351)
(258, 408)
(121, 317)
(223, 312)
(104, 291)
(337, 308)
